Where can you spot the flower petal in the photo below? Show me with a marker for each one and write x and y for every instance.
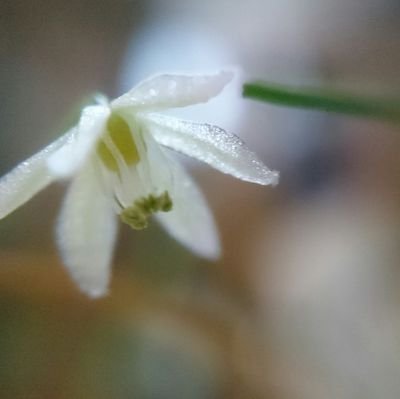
(29, 177)
(86, 233)
(171, 91)
(190, 221)
(66, 161)
(211, 144)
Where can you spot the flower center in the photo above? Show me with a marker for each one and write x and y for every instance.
(119, 133)
(126, 171)
(138, 214)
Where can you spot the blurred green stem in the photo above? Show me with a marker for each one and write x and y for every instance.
(323, 100)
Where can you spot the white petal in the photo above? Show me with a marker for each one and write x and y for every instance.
(28, 178)
(71, 157)
(190, 220)
(211, 144)
(86, 233)
(171, 91)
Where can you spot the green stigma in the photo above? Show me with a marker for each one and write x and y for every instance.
(138, 214)
(120, 134)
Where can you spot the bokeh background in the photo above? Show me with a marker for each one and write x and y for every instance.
(304, 302)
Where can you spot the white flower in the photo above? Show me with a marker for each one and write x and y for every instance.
(117, 157)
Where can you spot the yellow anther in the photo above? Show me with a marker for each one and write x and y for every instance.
(138, 214)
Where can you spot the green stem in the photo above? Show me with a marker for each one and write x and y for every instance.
(323, 101)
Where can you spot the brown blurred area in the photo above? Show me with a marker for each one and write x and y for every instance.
(304, 302)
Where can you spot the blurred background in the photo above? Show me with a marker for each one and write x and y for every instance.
(304, 302)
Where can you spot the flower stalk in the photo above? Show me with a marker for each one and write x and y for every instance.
(324, 100)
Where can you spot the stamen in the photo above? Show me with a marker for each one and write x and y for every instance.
(138, 214)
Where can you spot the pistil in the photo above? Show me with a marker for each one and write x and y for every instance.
(120, 134)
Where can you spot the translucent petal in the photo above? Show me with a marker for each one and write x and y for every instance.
(190, 222)
(211, 144)
(71, 157)
(86, 233)
(171, 91)
(29, 177)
